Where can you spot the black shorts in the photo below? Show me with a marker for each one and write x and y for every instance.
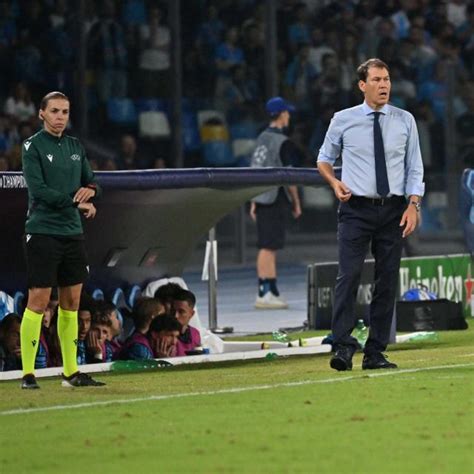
(271, 223)
(54, 261)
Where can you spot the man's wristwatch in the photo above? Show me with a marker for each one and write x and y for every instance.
(417, 205)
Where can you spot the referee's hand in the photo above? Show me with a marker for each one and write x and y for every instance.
(88, 209)
(83, 195)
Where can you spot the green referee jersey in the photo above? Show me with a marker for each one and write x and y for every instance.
(54, 169)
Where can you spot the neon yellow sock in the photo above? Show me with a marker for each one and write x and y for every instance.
(68, 329)
(29, 339)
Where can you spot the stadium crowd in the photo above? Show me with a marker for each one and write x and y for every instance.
(320, 44)
(157, 327)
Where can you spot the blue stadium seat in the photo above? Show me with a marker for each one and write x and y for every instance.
(121, 111)
(134, 12)
(154, 105)
(217, 153)
(98, 294)
(19, 302)
(6, 304)
(188, 104)
(246, 129)
(191, 138)
(133, 294)
(118, 298)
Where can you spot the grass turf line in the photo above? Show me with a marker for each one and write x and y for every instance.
(416, 422)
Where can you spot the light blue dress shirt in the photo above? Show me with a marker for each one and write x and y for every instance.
(351, 134)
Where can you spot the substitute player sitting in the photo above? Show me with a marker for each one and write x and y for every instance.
(189, 338)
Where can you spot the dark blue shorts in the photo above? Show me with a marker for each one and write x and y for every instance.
(271, 223)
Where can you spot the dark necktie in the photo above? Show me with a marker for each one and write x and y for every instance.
(380, 167)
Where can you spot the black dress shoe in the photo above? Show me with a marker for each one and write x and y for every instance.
(377, 361)
(342, 359)
(28, 382)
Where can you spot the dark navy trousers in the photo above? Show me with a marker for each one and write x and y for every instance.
(363, 222)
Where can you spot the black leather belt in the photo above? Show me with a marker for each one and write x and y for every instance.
(378, 201)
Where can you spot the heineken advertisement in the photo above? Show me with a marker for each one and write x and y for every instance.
(448, 276)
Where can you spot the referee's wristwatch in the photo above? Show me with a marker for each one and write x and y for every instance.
(417, 205)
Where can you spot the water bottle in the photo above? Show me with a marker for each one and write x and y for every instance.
(424, 336)
(280, 336)
(361, 332)
(137, 365)
(271, 356)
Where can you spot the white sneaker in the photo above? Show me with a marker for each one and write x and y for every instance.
(270, 301)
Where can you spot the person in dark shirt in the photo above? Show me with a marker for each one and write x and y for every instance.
(60, 185)
(270, 209)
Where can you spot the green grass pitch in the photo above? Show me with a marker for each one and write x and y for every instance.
(289, 415)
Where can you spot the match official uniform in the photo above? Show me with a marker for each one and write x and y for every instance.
(54, 169)
(273, 149)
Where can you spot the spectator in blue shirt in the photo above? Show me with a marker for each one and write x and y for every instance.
(8, 30)
(210, 31)
(228, 54)
(107, 54)
(299, 31)
(299, 77)
(435, 91)
(240, 94)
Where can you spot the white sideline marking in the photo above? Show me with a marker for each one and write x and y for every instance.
(20, 411)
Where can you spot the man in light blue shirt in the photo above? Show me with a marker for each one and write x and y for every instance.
(380, 192)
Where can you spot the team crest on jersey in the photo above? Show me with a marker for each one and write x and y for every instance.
(27, 145)
(75, 157)
(50, 158)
